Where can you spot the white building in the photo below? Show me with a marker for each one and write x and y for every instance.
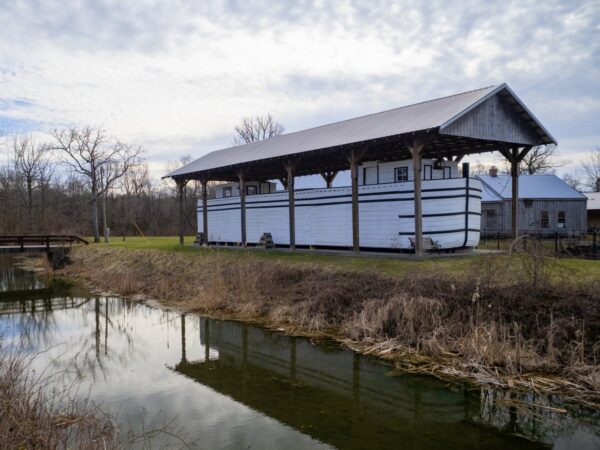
(406, 190)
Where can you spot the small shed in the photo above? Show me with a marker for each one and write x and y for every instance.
(593, 210)
(547, 205)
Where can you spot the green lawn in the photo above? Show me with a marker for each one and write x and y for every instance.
(577, 268)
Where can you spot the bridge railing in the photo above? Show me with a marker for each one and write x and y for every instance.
(46, 240)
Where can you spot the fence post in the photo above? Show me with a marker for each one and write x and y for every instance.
(595, 244)
(498, 239)
(556, 243)
(48, 244)
(21, 243)
(484, 230)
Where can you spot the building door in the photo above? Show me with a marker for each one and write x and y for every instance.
(370, 175)
(427, 172)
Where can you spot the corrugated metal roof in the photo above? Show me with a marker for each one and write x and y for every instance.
(530, 187)
(593, 200)
(418, 117)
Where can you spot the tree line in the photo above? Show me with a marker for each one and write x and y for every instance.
(82, 180)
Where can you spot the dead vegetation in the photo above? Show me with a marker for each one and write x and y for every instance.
(38, 413)
(45, 410)
(512, 320)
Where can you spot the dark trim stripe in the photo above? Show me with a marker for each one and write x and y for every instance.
(363, 194)
(411, 216)
(458, 230)
(379, 200)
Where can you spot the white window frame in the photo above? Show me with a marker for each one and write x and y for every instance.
(227, 192)
(398, 170)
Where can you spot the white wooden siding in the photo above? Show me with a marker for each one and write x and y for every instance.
(385, 171)
(324, 216)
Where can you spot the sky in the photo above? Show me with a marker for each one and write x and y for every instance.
(176, 76)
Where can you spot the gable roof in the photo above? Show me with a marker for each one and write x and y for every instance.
(438, 114)
(593, 202)
(530, 187)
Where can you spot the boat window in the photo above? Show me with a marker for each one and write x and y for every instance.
(447, 172)
(250, 190)
(227, 191)
(401, 174)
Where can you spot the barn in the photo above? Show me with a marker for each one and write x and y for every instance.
(547, 205)
(406, 189)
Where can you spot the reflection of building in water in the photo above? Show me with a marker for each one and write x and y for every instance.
(334, 394)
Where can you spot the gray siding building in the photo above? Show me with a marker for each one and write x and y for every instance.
(546, 205)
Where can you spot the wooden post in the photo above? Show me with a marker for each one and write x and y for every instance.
(514, 157)
(415, 151)
(289, 167)
(180, 194)
(205, 210)
(354, 157)
(514, 174)
(242, 178)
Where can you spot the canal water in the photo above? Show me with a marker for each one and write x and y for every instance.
(228, 385)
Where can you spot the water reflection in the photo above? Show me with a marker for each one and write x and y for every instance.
(237, 386)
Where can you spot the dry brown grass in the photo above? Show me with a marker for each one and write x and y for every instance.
(509, 318)
(36, 413)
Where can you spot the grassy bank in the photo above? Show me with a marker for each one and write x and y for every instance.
(521, 321)
(578, 270)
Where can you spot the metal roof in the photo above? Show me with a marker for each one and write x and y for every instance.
(530, 187)
(432, 114)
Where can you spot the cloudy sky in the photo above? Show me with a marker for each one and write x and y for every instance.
(176, 76)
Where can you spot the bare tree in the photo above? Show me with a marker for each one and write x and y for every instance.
(137, 181)
(572, 180)
(87, 151)
(257, 128)
(32, 167)
(541, 159)
(591, 170)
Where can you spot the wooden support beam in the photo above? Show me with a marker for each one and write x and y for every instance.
(514, 157)
(241, 173)
(416, 149)
(204, 183)
(180, 197)
(329, 176)
(290, 166)
(514, 174)
(354, 159)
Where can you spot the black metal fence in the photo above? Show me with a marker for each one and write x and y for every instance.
(562, 244)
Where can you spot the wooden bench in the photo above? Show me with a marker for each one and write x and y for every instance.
(428, 243)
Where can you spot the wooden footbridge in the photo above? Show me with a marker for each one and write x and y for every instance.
(55, 246)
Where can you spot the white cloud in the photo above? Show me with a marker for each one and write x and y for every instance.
(177, 76)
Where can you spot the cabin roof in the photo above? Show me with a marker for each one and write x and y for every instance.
(451, 119)
(499, 188)
(593, 202)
